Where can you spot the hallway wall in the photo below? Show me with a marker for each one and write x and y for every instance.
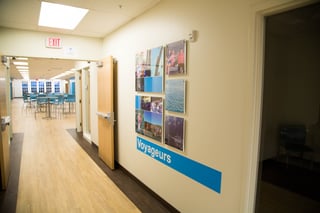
(32, 44)
(219, 98)
(217, 102)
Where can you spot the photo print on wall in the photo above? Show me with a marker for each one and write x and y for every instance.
(149, 111)
(176, 53)
(175, 95)
(149, 70)
(174, 132)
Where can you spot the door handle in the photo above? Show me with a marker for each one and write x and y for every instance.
(5, 121)
(109, 116)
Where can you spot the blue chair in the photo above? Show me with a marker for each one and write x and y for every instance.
(42, 105)
(33, 99)
(26, 102)
(58, 105)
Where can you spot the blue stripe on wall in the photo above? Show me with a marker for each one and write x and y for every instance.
(201, 173)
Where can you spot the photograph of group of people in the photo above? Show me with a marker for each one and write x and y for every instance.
(176, 58)
(149, 112)
(150, 68)
(174, 132)
(151, 63)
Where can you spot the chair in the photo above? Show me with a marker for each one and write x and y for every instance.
(26, 102)
(58, 105)
(42, 104)
(292, 140)
(33, 99)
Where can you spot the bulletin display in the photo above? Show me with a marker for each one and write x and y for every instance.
(163, 124)
(160, 109)
(149, 116)
(149, 70)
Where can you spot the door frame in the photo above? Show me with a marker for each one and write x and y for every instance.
(78, 104)
(256, 55)
(6, 133)
(86, 124)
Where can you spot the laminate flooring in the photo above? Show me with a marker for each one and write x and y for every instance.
(56, 174)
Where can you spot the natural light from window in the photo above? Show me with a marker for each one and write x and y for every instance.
(60, 16)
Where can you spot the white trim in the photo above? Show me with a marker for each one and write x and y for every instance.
(256, 59)
(87, 137)
(85, 76)
(78, 105)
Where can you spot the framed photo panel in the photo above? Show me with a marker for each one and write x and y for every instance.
(174, 132)
(175, 95)
(149, 111)
(176, 58)
(149, 70)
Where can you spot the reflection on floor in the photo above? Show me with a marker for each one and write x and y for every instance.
(50, 145)
(140, 195)
(143, 199)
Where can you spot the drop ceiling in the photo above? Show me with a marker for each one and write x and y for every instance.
(44, 68)
(104, 17)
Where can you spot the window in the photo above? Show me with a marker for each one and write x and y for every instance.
(48, 87)
(25, 87)
(57, 86)
(41, 86)
(33, 86)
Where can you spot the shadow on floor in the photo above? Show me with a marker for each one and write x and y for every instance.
(8, 198)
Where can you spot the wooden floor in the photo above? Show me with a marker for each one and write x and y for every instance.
(56, 174)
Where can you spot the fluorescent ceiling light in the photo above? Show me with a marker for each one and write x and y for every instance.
(21, 58)
(20, 63)
(22, 67)
(60, 16)
(61, 75)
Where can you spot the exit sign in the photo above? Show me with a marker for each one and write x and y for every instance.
(54, 42)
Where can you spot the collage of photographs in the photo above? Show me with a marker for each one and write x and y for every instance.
(152, 66)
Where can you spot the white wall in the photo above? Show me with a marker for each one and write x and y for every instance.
(218, 98)
(32, 44)
(16, 88)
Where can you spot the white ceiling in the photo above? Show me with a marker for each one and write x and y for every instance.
(104, 16)
(44, 68)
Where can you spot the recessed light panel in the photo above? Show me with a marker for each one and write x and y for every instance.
(60, 16)
(20, 63)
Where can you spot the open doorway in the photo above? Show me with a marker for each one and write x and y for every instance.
(290, 136)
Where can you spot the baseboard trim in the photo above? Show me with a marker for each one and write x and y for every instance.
(152, 193)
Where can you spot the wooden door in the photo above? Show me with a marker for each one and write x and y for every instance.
(4, 130)
(105, 112)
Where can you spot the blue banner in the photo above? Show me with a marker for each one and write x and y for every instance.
(201, 173)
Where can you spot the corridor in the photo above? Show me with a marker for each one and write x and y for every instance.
(56, 174)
